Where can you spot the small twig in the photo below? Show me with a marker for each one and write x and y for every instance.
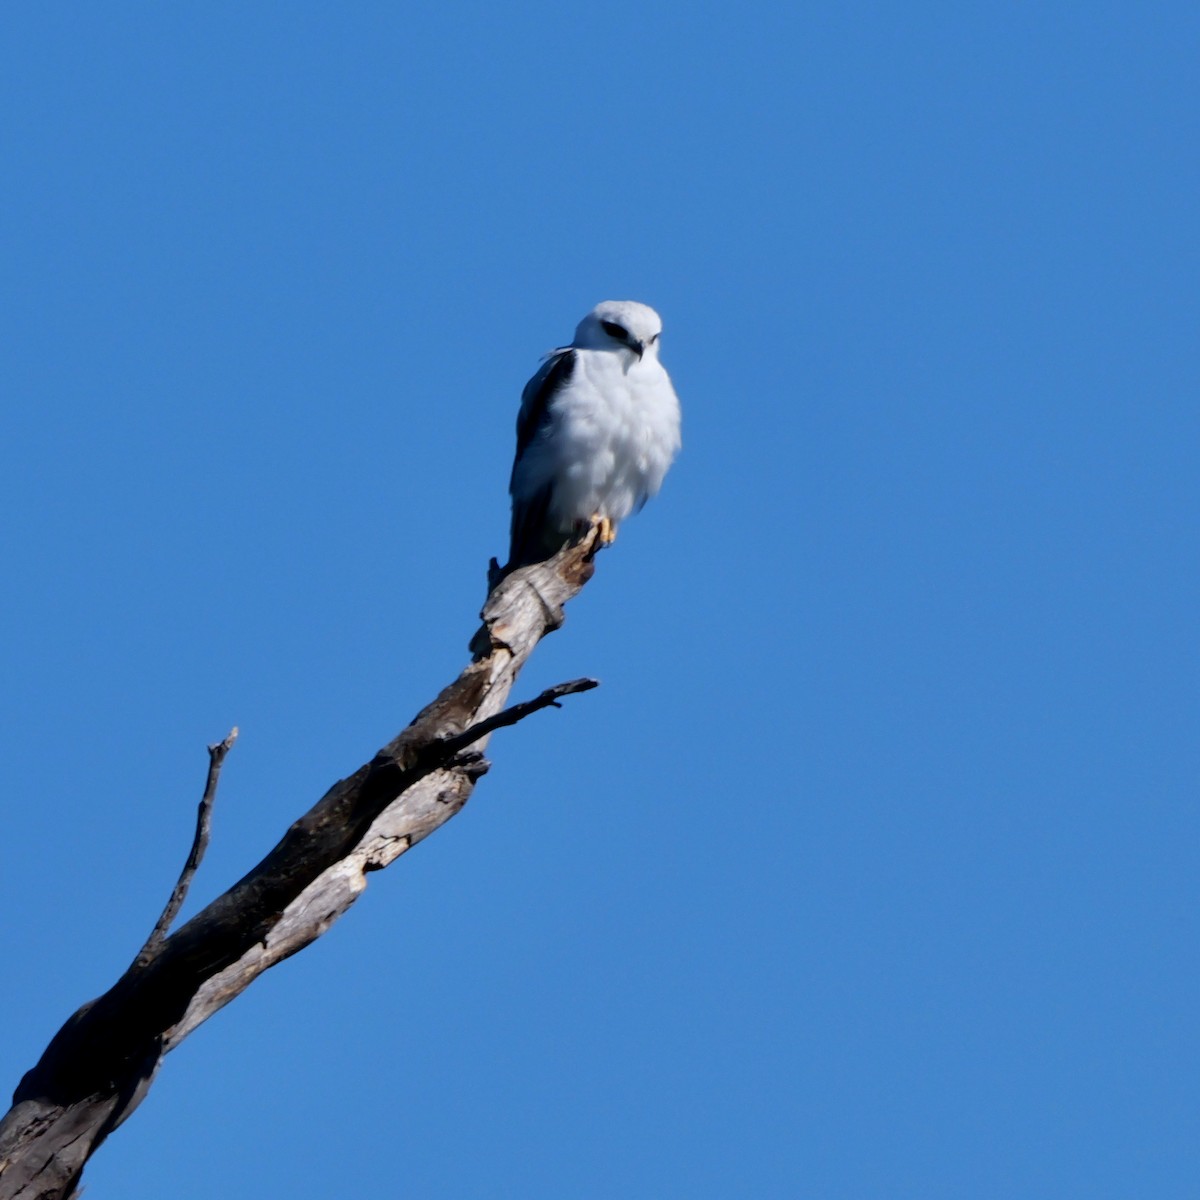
(448, 747)
(216, 756)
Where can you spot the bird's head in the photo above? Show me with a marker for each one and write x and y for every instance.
(624, 326)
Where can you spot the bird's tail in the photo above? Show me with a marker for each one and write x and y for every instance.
(532, 535)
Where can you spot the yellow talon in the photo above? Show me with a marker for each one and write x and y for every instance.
(608, 531)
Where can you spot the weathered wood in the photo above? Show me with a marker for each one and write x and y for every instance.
(100, 1064)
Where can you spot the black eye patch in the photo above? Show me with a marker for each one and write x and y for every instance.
(614, 330)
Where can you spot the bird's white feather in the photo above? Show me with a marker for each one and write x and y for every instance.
(609, 432)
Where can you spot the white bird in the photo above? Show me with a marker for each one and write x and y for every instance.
(597, 430)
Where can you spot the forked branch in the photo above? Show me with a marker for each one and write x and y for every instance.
(99, 1065)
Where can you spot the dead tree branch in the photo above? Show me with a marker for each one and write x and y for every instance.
(216, 757)
(100, 1064)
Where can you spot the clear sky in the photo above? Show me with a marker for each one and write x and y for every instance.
(871, 869)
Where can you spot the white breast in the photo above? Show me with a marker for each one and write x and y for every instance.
(615, 433)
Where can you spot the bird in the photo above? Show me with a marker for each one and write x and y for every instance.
(598, 427)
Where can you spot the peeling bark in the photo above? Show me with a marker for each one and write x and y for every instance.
(99, 1066)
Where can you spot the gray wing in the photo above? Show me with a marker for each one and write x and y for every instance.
(528, 535)
(535, 400)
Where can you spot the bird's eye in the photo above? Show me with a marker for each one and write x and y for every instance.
(614, 330)
(655, 338)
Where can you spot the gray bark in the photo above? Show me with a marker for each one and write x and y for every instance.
(100, 1064)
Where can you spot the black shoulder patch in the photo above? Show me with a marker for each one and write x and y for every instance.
(554, 375)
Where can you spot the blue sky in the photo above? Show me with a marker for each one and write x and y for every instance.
(871, 869)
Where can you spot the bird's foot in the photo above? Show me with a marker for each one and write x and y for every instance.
(608, 531)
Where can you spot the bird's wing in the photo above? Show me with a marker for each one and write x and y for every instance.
(529, 512)
(553, 374)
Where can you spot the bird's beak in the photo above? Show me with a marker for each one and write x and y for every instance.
(639, 348)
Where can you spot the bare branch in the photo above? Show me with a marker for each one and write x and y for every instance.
(216, 757)
(98, 1067)
(517, 712)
